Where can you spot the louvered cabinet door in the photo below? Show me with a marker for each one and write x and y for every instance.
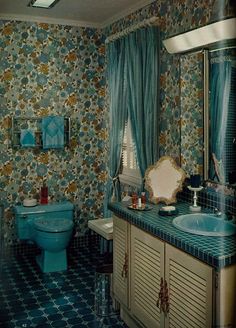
(189, 284)
(147, 269)
(120, 252)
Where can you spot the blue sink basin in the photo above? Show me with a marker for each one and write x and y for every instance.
(204, 224)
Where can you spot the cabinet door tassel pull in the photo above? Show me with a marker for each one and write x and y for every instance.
(163, 297)
(166, 298)
(124, 272)
(160, 296)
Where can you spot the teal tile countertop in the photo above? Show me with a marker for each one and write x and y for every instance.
(215, 251)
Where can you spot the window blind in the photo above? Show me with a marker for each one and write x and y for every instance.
(129, 161)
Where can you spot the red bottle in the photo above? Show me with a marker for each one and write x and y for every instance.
(143, 199)
(44, 195)
(134, 200)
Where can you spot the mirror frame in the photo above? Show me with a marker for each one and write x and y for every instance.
(206, 115)
(156, 177)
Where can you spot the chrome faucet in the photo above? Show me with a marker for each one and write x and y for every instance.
(225, 216)
(217, 212)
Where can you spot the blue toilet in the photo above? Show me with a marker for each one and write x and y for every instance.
(50, 227)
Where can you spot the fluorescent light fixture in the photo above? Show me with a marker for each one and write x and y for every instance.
(206, 35)
(42, 3)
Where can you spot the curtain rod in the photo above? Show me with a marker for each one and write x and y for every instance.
(132, 28)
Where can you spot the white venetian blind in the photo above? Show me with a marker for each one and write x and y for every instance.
(128, 152)
(129, 171)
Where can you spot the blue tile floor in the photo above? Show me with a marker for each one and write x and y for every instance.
(29, 298)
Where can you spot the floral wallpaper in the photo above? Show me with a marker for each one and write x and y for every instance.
(191, 94)
(173, 17)
(53, 69)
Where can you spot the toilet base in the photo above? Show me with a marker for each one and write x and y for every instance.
(52, 262)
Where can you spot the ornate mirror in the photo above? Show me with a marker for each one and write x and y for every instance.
(163, 180)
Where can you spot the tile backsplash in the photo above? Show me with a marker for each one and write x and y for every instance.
(211, 199)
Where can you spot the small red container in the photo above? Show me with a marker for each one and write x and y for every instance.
(44, 195)
(143, 199)
(134, 200)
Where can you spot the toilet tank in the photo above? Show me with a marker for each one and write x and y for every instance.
(24, 215)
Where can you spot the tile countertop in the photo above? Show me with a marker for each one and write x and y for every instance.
(215, 251)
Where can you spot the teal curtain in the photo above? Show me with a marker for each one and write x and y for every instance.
(133, 83)
(219, 101)
(142, 51)
(117, 89)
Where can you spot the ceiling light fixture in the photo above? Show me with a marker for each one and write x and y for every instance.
(42, 3)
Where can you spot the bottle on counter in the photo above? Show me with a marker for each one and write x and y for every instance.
(44, 195)
(139, 202)
(143, 198)
(134, 200)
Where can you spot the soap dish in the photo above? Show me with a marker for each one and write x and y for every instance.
(29, 202)
(168, 210)
(144, 208)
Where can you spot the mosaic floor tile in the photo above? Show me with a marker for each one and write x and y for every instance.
(29, 298)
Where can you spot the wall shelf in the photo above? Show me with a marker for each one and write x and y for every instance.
(34, 123)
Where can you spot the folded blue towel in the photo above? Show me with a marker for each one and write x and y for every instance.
(53, 132)
(27, 138)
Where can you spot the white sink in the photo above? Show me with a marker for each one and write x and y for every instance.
(103, 227)
(204, 224)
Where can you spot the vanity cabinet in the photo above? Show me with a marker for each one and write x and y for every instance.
(121, 271)
(147, 273)
(190, 292)
(157, 284)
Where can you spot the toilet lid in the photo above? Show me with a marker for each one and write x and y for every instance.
(53, 224)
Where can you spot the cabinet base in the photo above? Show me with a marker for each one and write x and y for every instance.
(128, 319)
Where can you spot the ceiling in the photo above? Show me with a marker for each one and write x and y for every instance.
(88, 13)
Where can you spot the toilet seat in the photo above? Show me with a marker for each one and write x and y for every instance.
(53, 224)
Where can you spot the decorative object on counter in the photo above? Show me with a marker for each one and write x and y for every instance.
(139, 202)
(29, 202)
(195, 180)
(134, 200)
(195, 207)
(143, 198)
(53, 132)
(44, 195)
(168, 210)
(163, 180)
(142, 208)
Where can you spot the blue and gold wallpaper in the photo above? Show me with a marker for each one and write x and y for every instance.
(53, 69)
(176, 17)
(192, 122)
